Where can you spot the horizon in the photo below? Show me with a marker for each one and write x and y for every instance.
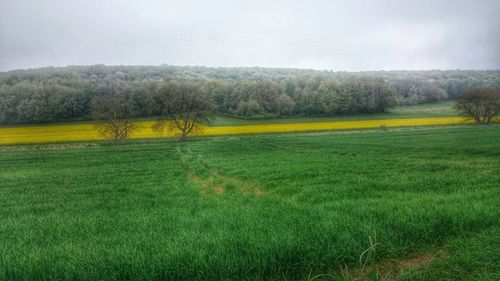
(241, 67)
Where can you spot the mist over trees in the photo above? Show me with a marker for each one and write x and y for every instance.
(67, 93)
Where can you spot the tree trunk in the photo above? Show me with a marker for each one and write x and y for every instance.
(183, 136)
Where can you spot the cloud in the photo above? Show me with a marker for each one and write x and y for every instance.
(337, 35)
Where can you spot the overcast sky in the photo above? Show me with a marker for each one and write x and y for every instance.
(335, 35)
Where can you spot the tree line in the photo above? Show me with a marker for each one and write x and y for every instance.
(68, 93)
(181, 109)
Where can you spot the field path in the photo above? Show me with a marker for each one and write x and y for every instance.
(211, 181)
(87, 132)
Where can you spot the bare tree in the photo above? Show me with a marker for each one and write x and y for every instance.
(112, 115)
(480, 104)
(182, 109)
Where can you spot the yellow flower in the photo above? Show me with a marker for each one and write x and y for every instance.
(88, 132)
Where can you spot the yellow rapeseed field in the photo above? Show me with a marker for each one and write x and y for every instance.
(87, 132)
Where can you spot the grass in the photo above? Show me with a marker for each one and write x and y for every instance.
(438, 109)
(268, 207)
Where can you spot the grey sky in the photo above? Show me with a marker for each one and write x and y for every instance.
(336, 35)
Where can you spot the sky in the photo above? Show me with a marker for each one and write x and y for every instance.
(349, 35)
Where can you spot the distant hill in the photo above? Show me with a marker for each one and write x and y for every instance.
(66, 93)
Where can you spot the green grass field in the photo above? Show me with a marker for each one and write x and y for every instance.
(438, 109)
(401, 204)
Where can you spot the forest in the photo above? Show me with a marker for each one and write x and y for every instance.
(56, 94)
